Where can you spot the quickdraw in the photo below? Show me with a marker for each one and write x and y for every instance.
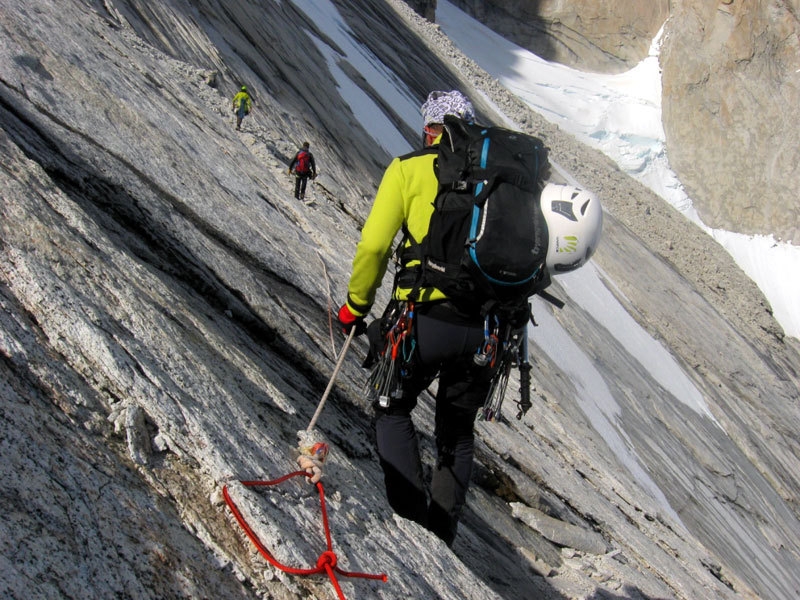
(486, 355)
(385, 381)
(326, 563)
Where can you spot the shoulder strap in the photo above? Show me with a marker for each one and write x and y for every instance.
(557, 302)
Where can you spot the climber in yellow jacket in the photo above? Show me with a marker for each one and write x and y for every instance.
(405, 197)
(241, 105)
(445, 340)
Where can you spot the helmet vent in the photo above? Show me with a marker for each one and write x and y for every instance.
(563, 208)
(584, 207)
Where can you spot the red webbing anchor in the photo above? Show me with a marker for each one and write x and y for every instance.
(327, 560)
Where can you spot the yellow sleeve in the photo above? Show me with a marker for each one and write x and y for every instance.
(377, 238)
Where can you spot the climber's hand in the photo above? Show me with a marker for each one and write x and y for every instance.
(349, 321)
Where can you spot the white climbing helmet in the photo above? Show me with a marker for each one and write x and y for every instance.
(574, 220)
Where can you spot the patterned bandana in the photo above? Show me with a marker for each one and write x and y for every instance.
(440, 104)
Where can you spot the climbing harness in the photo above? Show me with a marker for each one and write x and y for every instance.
(326, 563)
(384, 383)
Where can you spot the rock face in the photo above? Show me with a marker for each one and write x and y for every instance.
(730, 85)
(605, 36)
(731, 89)
(424, 8)
(166, 329)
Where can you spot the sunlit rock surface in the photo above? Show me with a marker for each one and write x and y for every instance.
(166, 330)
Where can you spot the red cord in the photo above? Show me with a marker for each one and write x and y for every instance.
(326, 563)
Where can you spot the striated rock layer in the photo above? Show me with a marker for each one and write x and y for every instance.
(166, 312)
(606, 36)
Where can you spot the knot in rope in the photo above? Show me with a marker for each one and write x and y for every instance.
(327, 560)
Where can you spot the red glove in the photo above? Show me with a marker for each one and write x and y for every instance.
(348, 321)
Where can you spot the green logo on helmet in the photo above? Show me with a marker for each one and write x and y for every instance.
(570, 244)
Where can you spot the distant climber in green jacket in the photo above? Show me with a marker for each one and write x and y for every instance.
(241, 106)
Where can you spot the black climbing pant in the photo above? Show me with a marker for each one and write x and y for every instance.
(446, 343)
(301, 179)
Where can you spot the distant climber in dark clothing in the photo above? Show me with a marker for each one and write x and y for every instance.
(303, 167)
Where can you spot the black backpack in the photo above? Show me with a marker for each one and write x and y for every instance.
(487, 239)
